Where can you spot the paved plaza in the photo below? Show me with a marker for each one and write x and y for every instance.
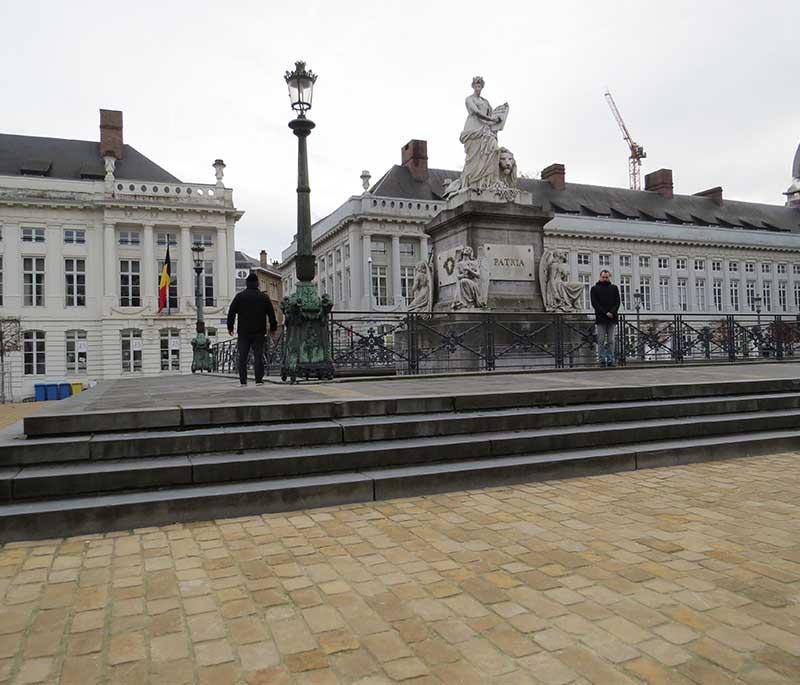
(674, 575)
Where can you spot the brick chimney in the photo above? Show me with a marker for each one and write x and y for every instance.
(263, 259)
(414, 157)
(111, 133)
(714, 194)
(555, 175)
(660, 182)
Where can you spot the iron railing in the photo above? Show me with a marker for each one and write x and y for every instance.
(410, 343)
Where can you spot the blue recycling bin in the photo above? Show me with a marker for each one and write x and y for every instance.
(40, 392)
(64, 390)
(52, 391)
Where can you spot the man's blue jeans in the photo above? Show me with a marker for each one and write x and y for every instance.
(606, 338)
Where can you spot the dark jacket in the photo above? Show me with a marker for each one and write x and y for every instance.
(253, 309)
(605, 298)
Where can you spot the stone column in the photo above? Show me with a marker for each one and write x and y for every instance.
(186, 270)
(110, 265)
(396, 288)
(221, 266)
(356, 277)
(366, 251)
(149, 276)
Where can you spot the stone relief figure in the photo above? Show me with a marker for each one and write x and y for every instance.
(557, 292)
(421, 290)
(479, 138)
(472, 281)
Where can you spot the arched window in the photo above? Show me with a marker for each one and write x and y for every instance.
(170, 349)
(33, 353)
(77, 349)
(131, 349)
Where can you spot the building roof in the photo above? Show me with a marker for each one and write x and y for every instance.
(72, 159)
(245, 261)
(620, 203)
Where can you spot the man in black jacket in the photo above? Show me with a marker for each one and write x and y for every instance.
(605, 300)
(253, 309)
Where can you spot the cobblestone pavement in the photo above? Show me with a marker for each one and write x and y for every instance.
(674, 575)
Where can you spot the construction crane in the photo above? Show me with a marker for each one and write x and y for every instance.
(637, 151)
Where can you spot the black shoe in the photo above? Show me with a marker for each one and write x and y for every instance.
(259, 382)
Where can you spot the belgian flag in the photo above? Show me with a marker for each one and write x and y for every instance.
(163, 283)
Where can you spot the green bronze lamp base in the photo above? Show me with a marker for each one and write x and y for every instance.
(307, 351)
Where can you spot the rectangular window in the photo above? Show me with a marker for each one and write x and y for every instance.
(380, 294)
(74, 236)
(172, 291)
(170, 346)
(717, 292)
(208, 285)
(734, 294)
(766, 268)
(347, 252)
(699, 264)
(733, 267)
(716, 265)
(625, 261)
(32, 235)
(645, 289)
(129, 238)
(796, 269)
(604, 260)
(663, 293)
(767, 290)
(749, 267)
(377, 247)
(586, 281)
(406, 283)
(663, 262)
(625, 291)
(131, 339)
(797, 295)
(781, 268)
(406, 249)
(330, 261)
(204, 239)
(130, 283)
(644, 262)
(75, 282)
(339, 286)
(584, 258)
(338, 256)
(33, 355)
(782, 301)
(700, 294)
(683, 294)
(347, 283)
(77, 349)
(750, 294)
(165, 239)
(680, 263)
(33, 281)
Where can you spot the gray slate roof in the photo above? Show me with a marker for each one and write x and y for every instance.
(70, 159)
(620, 203)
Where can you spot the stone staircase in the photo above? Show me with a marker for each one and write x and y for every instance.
(81, 472)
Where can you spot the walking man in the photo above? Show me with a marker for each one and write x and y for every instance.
(253, 309)
(605, 301)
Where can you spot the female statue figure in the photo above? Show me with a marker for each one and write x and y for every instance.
(421, 290)
(479, 138)
(469, 281)
(558, 293)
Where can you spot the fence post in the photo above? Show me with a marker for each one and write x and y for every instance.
(411, 327)
(677, 338)
(558, 335)
(731, 338)
(778, 336)
(488, 322)
(622, 340)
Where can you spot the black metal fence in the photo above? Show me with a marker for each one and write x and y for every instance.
(368, 343)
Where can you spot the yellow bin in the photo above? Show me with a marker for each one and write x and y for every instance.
(76, 387)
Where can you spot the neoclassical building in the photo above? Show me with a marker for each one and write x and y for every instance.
(84, 231)
(701, 253)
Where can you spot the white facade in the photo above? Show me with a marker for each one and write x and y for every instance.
(80, 269)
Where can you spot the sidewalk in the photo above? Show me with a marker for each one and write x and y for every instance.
(680, 575)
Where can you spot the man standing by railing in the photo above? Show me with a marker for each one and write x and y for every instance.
(253, 310)
(605, 301)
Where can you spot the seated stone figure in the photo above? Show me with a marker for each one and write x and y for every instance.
(558, 293)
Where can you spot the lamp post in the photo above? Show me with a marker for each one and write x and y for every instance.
(305, 312)
(201, 347)
(637, 305)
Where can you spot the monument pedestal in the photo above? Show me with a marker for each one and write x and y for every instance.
(506, 238)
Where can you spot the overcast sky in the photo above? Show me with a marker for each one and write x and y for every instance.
(709, 88)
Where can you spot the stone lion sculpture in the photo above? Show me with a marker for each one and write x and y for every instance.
(507, 168)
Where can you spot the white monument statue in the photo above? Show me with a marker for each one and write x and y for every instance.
(472, 281)
(558, 294)
(421, 290)
(484, 166)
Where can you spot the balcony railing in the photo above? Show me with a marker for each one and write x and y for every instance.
(366, 342)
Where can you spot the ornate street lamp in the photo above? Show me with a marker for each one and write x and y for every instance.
(307, 351)
(201, 347)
